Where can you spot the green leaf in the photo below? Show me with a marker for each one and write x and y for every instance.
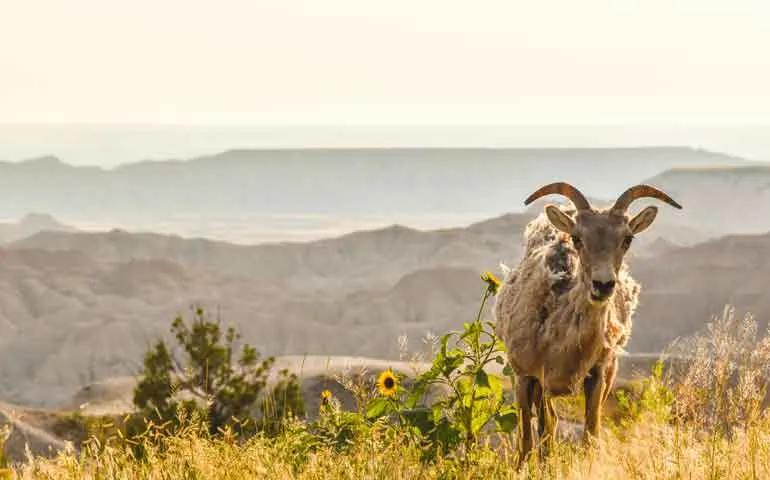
(447, 435)
(487, 345)
(378, 407)
(657, 370)
(438, 411)
(437, 366)
(482, 394)
(429, 376)
(444, 340)
(499, 359)
(418, 391)
(456, 352)
(495, 386)
(482, 379)
(463, 385)
(506, 420)
(422, 418)
(507, 371)
(472, 330)
(451, 364)
(479, 420)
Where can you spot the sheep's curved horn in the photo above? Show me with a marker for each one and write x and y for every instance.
(562, 188)
(641, 191)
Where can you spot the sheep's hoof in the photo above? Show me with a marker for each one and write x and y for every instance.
(523, 459)
(545, 449)
(590, 440)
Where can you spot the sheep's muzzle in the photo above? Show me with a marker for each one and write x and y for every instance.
(601, 292)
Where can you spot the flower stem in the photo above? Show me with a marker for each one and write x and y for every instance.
(483, 302)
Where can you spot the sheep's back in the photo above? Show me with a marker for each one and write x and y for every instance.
(540, 233)
(533, 290)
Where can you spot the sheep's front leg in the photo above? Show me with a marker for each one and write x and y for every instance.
(546, 423)
(525, 396)
(593, 387)
(610, 374)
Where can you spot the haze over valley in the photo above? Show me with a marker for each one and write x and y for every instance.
(257, 196)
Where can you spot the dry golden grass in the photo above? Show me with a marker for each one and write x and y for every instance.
(646, 450)
(707, 421)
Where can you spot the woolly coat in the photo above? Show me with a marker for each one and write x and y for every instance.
(551, 331)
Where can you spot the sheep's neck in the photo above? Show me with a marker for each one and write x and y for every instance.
(589, 313)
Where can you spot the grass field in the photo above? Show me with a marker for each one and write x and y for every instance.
(647, 449)
(706, 418)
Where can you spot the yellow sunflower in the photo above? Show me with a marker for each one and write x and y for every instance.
(387, 383)
(326, 401)
(493, 283)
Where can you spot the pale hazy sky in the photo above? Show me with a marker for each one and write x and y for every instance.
(395, 62)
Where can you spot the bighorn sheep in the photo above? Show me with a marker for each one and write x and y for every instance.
(566, 309)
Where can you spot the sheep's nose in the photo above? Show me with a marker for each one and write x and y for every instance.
(604, 289)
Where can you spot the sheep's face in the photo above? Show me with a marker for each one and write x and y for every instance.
(601, 240)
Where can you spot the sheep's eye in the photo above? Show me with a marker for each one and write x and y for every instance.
(627, 242)
(576, 241)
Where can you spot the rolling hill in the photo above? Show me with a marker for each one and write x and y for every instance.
(31, 224)
(358, 260)
(81, 307)
(721, 200)
(313, 193)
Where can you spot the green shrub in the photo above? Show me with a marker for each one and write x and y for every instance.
(212, 382)
(650, 400)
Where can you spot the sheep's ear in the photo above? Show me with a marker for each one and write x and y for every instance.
(643, 219)
(559, 219)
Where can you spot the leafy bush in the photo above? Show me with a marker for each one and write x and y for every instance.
(212, 382)
(78, 428)
(723, 382)
(651, 400)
